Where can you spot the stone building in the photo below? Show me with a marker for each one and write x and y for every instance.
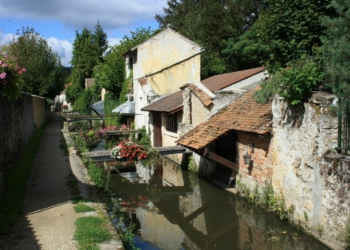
(239, 129)
(195, 102)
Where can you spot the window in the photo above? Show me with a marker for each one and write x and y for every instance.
(130, 62)
(171, 122)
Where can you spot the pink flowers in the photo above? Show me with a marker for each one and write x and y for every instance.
(10, 81)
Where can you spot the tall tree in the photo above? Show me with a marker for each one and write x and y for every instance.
(100, 42)
(290, 26)
(84, 57)
(337, 49)
(88, 50)
(208, 23)
(44, 72)
(111, 73)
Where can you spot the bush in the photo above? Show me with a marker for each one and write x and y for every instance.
(294, 83)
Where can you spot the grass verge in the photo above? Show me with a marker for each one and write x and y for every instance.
(15, 183)
(83, 208)
(90, 231)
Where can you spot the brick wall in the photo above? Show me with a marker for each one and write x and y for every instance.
(260, 169)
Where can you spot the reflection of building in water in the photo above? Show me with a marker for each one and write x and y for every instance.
(172, 174)
(157, 229)
(199, 212)
(144, 172)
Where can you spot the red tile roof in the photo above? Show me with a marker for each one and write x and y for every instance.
(204, 97)
(243, 115)
(214, 83)
(170, 103)
(219, 82)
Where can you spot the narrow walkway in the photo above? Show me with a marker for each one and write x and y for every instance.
(49, 218)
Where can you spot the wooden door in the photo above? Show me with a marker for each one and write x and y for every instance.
(157, 129)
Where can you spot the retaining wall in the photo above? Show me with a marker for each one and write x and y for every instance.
(18, 120)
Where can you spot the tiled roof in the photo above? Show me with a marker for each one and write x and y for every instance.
(170, 103)
(243, 115)
(204, 97)
(219, 82)
(174, 101)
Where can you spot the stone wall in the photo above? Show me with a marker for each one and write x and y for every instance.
(39, 110)
(18, 120)
(335, 196)
(313, 185)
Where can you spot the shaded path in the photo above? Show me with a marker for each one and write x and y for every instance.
(49, 217)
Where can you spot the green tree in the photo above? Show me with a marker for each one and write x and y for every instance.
(111, 74)
(44, 73)
(100, 42)
(246, 51)
(88, 50)
(209, 23)
(337, 52)
(84, 57)
(286, 27)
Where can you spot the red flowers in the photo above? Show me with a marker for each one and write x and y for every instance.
(129, 151)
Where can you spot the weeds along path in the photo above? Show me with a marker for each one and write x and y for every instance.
(48, 221)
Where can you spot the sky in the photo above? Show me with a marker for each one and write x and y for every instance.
(58, 20)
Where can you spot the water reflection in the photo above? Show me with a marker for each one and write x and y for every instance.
(174, 209)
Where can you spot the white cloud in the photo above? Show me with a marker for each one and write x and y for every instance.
(63, 48)
(6, 38)
(77, 14)
(113, 41)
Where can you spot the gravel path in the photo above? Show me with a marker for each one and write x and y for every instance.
(48, 221)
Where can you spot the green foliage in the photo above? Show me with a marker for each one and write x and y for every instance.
(294, 83)
(88, 50)
(44, 73)
(15, 183)
(289, 26)
(111, 74)
(110, 103)
(127, 237)
(83, 102)
(11, 82)
(143, 138)
(98, 175)
(81, 207)
(337, 53)
(306, 217)
(209, 23)
(73, 92)
(90, 231)
(266, 199)
(347, 234)
(246, 51)
(192, 166)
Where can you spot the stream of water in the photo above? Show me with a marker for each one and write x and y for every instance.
(174, 209)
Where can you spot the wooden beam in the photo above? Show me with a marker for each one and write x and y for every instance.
(219, 159)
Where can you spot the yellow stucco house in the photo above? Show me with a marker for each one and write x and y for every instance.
(160, 65)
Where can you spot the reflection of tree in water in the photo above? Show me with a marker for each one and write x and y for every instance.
(268, 229)
(153, 193)
(193, 179)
